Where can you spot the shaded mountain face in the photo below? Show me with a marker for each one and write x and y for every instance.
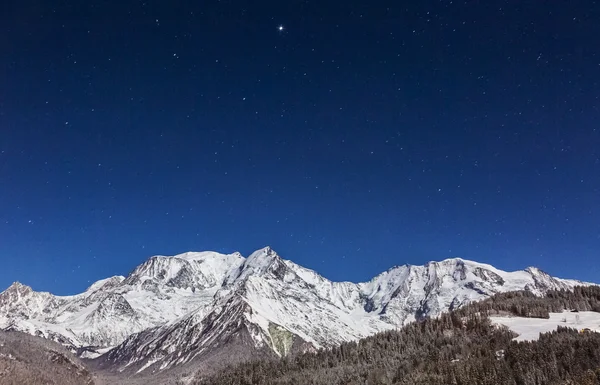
(29, 360)
(193, 307)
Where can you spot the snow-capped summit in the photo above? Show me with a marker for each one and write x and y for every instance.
(258, 263)
(186, 308)
(184, 271)
(106, 283)
(17, 289)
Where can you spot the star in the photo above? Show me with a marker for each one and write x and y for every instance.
(280, 28)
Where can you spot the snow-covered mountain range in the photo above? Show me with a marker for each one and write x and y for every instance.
(200, 307)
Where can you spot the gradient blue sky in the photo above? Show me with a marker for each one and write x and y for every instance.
(364, 135)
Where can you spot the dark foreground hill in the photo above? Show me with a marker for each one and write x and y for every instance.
(28, 360)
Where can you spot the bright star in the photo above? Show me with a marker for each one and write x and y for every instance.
(280, 28)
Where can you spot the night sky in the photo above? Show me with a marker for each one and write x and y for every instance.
(350, 136)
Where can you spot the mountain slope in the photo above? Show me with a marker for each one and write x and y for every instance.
(29, 360)
(156, 292)
(459, 347)
(171, 311)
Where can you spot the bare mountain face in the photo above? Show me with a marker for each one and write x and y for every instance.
(203, 307)
(29, 360)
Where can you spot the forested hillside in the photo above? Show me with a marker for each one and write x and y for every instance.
(461, 348)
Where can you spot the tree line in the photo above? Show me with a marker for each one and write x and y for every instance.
(462, 347)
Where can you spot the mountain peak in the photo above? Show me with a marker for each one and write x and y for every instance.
(15, 293)
(18, 287)
(258, 263)
(203, 255)
(535, 270)
(106, 283)
(262, 259)
(187, 271)
(265, 250)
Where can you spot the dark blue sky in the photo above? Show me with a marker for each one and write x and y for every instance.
(363, 135)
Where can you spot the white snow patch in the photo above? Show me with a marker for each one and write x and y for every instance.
(149, 363)
(95, 354)
(9, 356)
(529, 329)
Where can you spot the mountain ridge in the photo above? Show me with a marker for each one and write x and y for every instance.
(172, 311)
(179, 255)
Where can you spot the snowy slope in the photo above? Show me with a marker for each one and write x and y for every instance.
(173, 310)
(407, 293)
(529, 329)
(156, 292)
